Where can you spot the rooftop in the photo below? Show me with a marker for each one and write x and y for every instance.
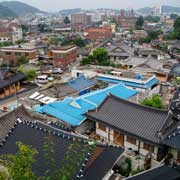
(18, 47)
(162, 172)
(71, 110)
(133, 119)
(33, 133)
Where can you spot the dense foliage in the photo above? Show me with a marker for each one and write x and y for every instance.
(155, 101)
(20, 164)
(29, 72)
(66, 20)
(140, 22)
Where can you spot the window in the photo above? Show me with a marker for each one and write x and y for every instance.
(26, 54)
(17, 54)
(148, 147)
(8, 53)
(59, 56)
(102, 127)
(131, 140)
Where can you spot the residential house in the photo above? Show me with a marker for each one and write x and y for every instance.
(80, 19)
(71, 110)
(10, 31)
(10, 82)
(98, 34)
(11, 54)
(144, 83)
(19, 126)
(63, 56)
(161, 172)
(174, 72)
(130, 125)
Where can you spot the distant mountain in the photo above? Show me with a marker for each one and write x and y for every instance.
(145, 10)
(20, 8)
(165, 9)
(6, 12)
(170, 9)
(68, 12)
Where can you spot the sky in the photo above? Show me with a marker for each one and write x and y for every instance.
(56, 5)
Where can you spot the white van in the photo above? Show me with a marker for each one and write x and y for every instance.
(42, 79)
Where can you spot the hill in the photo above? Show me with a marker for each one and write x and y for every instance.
(170, 9)
(20, 8)
(165, 9)
(6, 12)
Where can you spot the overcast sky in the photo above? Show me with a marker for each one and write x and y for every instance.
(55, 5)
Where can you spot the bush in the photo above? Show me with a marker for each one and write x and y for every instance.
(29, 72)
(155, 101)
(126, 171)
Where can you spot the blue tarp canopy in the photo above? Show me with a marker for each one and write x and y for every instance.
(71, 110)
(81, 83)
(148, 85)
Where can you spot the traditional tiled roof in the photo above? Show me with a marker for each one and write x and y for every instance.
(130, 118)
(33, 134)
(159, 173)
(7, 78)
(175, 70)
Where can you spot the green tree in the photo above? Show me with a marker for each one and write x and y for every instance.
(20, 164)
(100, 55)
(155, 101)
(177, 24)
(66, 20)
(29, 72)
(152, 19)
(20, 60)
(140, 22)
(71, 163)
(54, 40)
(173, 16)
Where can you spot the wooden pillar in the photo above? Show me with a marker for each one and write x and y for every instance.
(139, 146)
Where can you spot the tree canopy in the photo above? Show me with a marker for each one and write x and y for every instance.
(140, 22)
(66, 20)
(19, 165)
(155, 101)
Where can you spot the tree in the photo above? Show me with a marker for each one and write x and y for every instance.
(173, 16)
(20, 60)
(177, 24)
(66, 20)
(100, 55)
(71, 163)
(140, 22)
(155, 101)
(54, 40)
(20, 164)
(152, 19)
(29, 72)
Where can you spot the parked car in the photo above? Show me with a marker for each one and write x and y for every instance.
(57, 71)
(42, 79)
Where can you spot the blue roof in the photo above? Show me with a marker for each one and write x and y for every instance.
(148, 85)
(71, 110)
(81, 83)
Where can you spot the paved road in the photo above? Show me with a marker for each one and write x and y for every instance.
(13, 99)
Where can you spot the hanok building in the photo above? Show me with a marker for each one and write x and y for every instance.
(94, 162)
(130, 125)
(161, 172)
(175, 72)
(63, 56)
(11, 54)
(10, 82)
